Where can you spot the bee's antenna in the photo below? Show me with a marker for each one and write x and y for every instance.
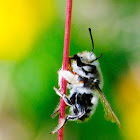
(91, 39)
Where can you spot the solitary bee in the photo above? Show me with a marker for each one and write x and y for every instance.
(85, 82)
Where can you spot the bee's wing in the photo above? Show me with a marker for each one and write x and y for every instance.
(109, 113)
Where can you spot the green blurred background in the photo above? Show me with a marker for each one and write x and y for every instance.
(31, 51)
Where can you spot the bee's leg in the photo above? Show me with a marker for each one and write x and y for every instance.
(65, 98)
(69, 77)
(56, 111)
(69, 117)
(59, 79)
(69, 67)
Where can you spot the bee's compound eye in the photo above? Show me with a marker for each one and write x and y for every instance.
(82, 58)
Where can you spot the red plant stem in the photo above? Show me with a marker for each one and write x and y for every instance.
(65, 64)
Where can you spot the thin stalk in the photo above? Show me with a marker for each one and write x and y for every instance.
(65, 64)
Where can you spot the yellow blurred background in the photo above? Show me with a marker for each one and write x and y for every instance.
(20, 23)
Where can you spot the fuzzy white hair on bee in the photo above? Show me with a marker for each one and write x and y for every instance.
(85, 82)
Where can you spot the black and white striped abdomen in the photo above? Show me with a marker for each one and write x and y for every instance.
(86, 102)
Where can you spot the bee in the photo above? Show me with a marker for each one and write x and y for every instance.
(85, 83)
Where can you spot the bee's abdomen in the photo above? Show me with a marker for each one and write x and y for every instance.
(84, 117)
(82, 102)
(82, 99)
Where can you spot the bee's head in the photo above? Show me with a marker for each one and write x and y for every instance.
(86, 57)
